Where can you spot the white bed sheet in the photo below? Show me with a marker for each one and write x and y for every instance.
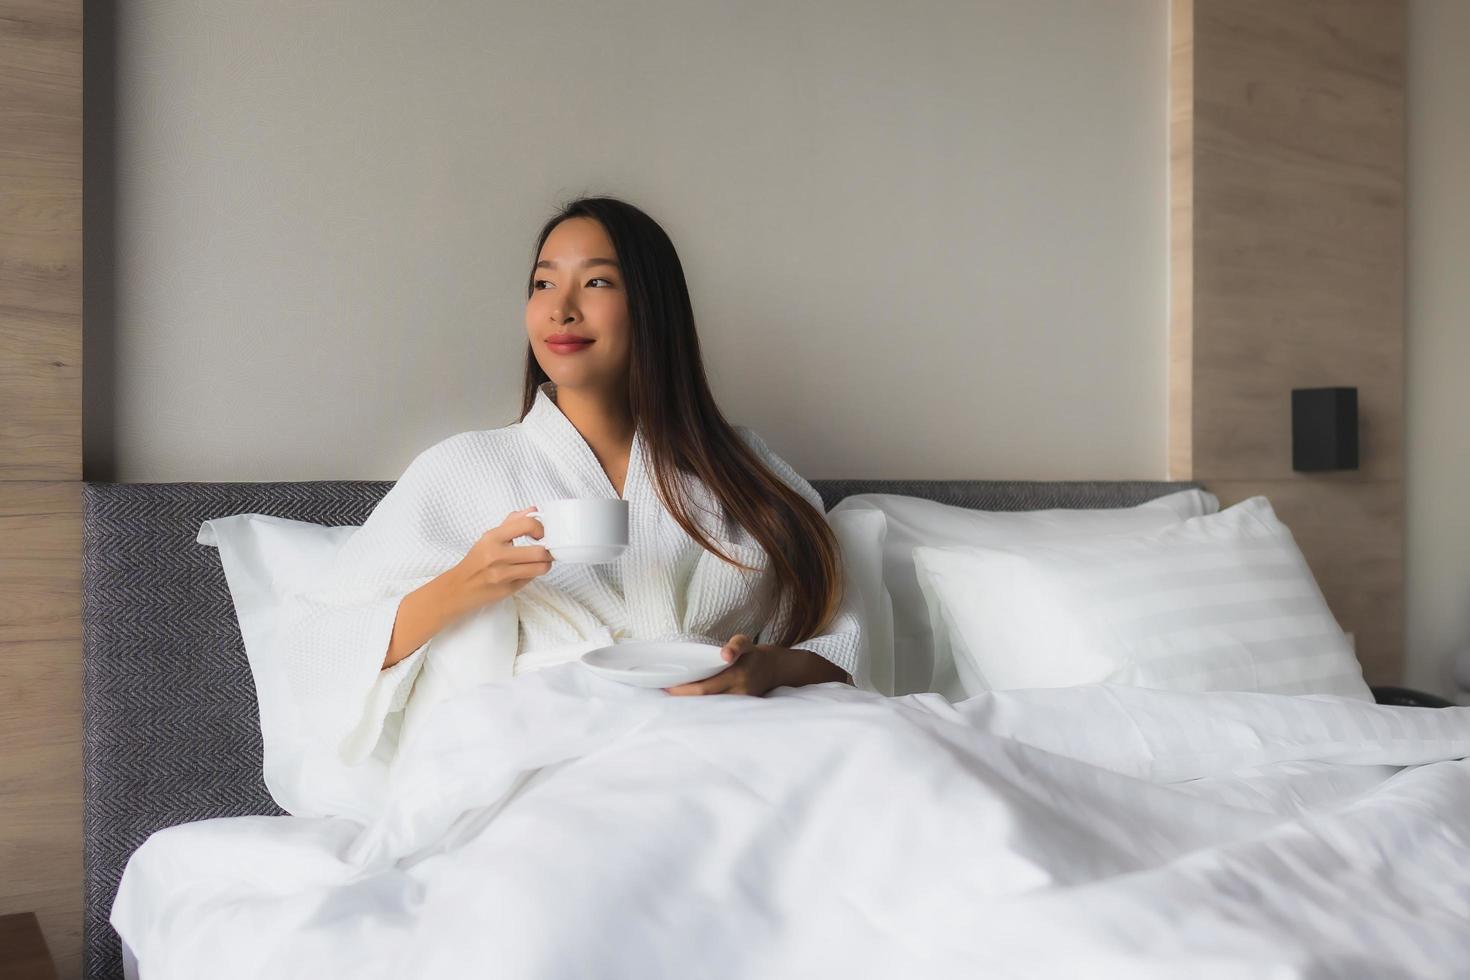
(562, 825)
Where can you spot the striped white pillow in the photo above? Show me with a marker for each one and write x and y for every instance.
(1219, 602)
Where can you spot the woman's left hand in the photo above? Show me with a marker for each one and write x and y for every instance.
(752, 670)
(756, 668)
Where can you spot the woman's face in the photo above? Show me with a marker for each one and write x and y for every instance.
(578, 297)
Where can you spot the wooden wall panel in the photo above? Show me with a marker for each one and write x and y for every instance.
(41, 469)
(40, 713)
(41, 240)
(1288, 152)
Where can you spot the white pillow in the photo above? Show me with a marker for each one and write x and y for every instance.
(1221, 602)
(915, 522)
(267, 558)
(860, 535)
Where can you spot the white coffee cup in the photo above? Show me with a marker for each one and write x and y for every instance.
(589, 530)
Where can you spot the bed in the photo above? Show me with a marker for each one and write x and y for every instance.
(171, 733)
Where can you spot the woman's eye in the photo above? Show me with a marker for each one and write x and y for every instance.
(536, 284)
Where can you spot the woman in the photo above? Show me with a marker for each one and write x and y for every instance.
(728, 544)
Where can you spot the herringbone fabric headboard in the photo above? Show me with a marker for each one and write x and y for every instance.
(170, 728)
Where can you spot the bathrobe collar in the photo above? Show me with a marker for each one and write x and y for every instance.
(560, 440)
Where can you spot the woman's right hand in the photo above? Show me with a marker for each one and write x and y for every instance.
(494, 568)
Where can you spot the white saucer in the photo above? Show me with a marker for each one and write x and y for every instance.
(587, 554)
(656, 663)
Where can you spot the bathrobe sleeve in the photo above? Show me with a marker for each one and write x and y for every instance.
(332, 637)
(842, 643)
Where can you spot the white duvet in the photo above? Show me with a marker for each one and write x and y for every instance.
(563, 826)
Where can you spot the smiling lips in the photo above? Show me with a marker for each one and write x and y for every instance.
(567, 343)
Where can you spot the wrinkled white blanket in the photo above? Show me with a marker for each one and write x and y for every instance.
(564, 826)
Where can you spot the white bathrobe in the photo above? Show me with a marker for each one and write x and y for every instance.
(665, 586)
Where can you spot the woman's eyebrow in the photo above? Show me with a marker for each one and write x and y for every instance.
(587, 263)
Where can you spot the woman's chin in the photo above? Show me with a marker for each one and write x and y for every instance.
(567, 380)
(576, 378)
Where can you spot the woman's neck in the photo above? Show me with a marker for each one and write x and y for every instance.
(604, 419)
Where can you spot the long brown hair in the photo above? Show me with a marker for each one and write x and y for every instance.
(683, 430)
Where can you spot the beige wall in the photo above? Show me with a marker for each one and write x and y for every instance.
(1438, 341)
(922, 241)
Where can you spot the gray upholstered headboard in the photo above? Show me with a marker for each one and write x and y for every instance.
(170, 730)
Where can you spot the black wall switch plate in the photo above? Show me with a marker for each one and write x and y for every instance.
(1324, 429)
